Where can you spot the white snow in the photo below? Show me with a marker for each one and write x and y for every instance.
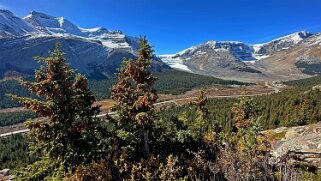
(180, 66)
(91, 29)
(257, 47)
(294, 37)
(251, 61)
(174, 61)
(12, 25)
(191, 49)
(255, 53)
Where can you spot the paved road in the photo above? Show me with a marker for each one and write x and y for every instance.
(14, 132)
(173, 101)
(27, 130)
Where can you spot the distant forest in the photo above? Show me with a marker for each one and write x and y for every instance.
(288, 108)
(169, 82)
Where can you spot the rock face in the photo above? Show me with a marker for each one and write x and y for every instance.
(300, 144)
(95, 52)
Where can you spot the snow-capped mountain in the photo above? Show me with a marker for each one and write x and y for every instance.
(241, 51)
(299, 61)
(229, 59)
(10, 25)
(92, 51)
(51, 25)
(225, 54)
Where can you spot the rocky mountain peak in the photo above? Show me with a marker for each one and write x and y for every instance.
(50, 24)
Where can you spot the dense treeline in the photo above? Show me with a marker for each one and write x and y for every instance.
(13, 152)
(12, 87)
(308, 68)
(169, 82)
(290, 108)
(305, 83)
(10, 118)
(102, 88)
(287, 108)
(177, 82)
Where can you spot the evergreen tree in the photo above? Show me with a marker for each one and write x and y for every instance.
(66, 137)
(135, 97)
(245, 156)
(201, 123)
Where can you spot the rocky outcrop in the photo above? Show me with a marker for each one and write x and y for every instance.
(301, 145)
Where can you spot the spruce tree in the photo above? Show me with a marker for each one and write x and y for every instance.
(245, 155)
(201, 123)
(135, 97)
(66, 137)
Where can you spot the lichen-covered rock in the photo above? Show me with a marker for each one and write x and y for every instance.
(301, 144)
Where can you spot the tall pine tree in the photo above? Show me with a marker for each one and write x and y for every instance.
(66, 137)
(135, 98)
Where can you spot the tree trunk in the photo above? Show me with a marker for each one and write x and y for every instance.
(146, 146)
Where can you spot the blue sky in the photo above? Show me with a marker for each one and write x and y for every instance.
(173, 25)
